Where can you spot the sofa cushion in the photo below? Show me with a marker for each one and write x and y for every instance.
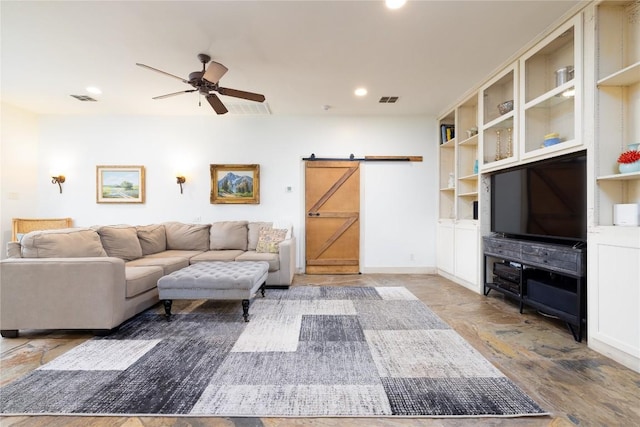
(189, 237)
(141, 279)
(14, 250)
(120, 241)
(168, 264)
(272, 259)
(229, 235)
(153, 238)
(226, 255)
(269, 239)
(253, 233)
(62, 243)
(175, 253)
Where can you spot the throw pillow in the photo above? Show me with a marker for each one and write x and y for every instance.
(254, 232)
(153, 238)
(228, 235)
(62, 243)
(187, 237)
(269, 239)
(121, 242)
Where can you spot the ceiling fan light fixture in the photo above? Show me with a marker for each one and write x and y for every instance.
(214, 72)
(94, 90)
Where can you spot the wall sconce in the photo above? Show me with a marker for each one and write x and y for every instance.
(181, 180)
(58, 180)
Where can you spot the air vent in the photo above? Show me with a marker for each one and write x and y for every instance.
(388, 100)
(84, 98)
(248, 108)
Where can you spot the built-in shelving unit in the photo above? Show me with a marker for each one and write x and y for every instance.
(458, 237)
(467, 148)
(580, 80)
(614, 251)
(617, 104)
(447, 166)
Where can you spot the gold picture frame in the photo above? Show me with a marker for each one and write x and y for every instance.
(120, 184)
(235, 184)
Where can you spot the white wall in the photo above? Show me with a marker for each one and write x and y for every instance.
(398, 202)
(18, 168)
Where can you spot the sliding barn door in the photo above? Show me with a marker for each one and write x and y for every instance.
(332, 203)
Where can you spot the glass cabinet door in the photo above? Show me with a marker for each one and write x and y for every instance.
(550, 87)
(499, 119)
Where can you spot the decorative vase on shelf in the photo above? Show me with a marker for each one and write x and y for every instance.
(629, 167)
(451, 183)
(629, 161)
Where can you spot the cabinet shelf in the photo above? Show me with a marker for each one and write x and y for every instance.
(469, 194)
(620, 177)
(471, 177)
(449, 144)
(448, 189)
(552, 98)
(504, 121)
(625, 77)
(472, 141)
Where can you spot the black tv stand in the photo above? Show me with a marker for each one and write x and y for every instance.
(549, 277)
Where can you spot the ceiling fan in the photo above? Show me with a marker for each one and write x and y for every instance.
(206, 82)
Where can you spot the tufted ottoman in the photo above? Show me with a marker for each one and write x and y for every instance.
(215, 280)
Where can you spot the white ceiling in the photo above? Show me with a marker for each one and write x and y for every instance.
(301, 55)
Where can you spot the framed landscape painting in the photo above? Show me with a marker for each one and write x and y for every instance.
(235, 184)
(120, 184)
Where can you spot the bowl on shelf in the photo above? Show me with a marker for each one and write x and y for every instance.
(551, 139)
(634, 146)
(505, 107)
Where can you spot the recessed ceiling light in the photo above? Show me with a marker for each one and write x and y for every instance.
(360, 91)
(395, 4)
(94, 90)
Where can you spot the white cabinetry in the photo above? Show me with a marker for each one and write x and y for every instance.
(581, 81)
(457, 233)
(614, 252)
(444, 252)
(466, 238)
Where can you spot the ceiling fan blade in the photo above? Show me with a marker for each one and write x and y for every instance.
(216, 104)
(174, 94)
(162, 72)
(214, 72)
(241, 94)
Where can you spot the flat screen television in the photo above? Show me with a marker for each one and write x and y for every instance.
(545, 200)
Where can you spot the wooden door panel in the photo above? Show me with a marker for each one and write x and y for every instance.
(332, 198)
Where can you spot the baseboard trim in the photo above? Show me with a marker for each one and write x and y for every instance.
(399, 270)
(629, 360)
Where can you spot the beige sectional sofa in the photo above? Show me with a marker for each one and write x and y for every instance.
(96, 278)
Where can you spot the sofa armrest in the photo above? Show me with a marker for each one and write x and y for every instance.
(287, 255)
(62, 293)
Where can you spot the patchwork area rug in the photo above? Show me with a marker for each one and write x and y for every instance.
(307, 351)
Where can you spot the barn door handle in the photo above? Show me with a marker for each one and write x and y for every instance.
(314, 214)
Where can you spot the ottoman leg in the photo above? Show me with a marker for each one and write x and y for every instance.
(262, 288)
(245, 309)
(167, 309)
